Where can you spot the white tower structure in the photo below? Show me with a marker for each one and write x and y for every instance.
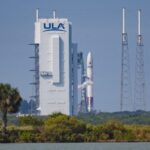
(57, 66)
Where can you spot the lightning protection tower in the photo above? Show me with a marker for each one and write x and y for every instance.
(125, 100)
(139, 91)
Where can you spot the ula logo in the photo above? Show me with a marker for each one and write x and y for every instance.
(53, 27)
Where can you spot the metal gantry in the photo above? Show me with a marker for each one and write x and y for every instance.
(125, 100)
(35, 83)
(139, 91)
(83, 104)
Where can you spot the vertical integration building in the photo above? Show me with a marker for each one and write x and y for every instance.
(55, 66)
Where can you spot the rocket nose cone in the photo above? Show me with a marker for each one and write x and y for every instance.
(89, 54)
(89, 58)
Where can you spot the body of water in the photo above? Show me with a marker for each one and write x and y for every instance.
(76, 146)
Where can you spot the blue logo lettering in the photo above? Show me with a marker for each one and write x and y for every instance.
(53, 27)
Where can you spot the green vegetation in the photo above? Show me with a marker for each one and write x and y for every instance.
(63, 128)
(9, 103)
(30, 120)
(138, 117)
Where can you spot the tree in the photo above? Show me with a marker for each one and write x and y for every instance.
(62, 128)
(10, 100)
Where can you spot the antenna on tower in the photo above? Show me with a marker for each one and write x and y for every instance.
(139, 91)
(139, 22)
(54, 14)
(125, 100)
(37, 14)
(123, 20)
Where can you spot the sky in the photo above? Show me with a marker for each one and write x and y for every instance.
(96, 27)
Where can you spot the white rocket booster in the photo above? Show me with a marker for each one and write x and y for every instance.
(89, 87)
(88, 84)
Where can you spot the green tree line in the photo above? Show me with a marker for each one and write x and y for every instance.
(92, 127)
(126, 117)
(63, 128)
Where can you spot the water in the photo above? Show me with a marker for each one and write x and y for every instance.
(77, 146)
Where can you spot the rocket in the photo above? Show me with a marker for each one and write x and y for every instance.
(88, 84)
(89, 87)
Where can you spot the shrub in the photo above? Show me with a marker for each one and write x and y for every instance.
(30, 120)
(26, 136)
(62, 128)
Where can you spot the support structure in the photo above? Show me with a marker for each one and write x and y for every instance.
(35, 83)
(139, 91)
(125, 100)
(82, 105)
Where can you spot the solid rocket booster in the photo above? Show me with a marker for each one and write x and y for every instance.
(89, 88)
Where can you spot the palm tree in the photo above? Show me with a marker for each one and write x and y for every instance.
(10, 100)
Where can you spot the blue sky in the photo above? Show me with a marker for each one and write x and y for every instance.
(96, 27)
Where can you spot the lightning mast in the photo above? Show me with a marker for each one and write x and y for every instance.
(125, 100)
(139, 91)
